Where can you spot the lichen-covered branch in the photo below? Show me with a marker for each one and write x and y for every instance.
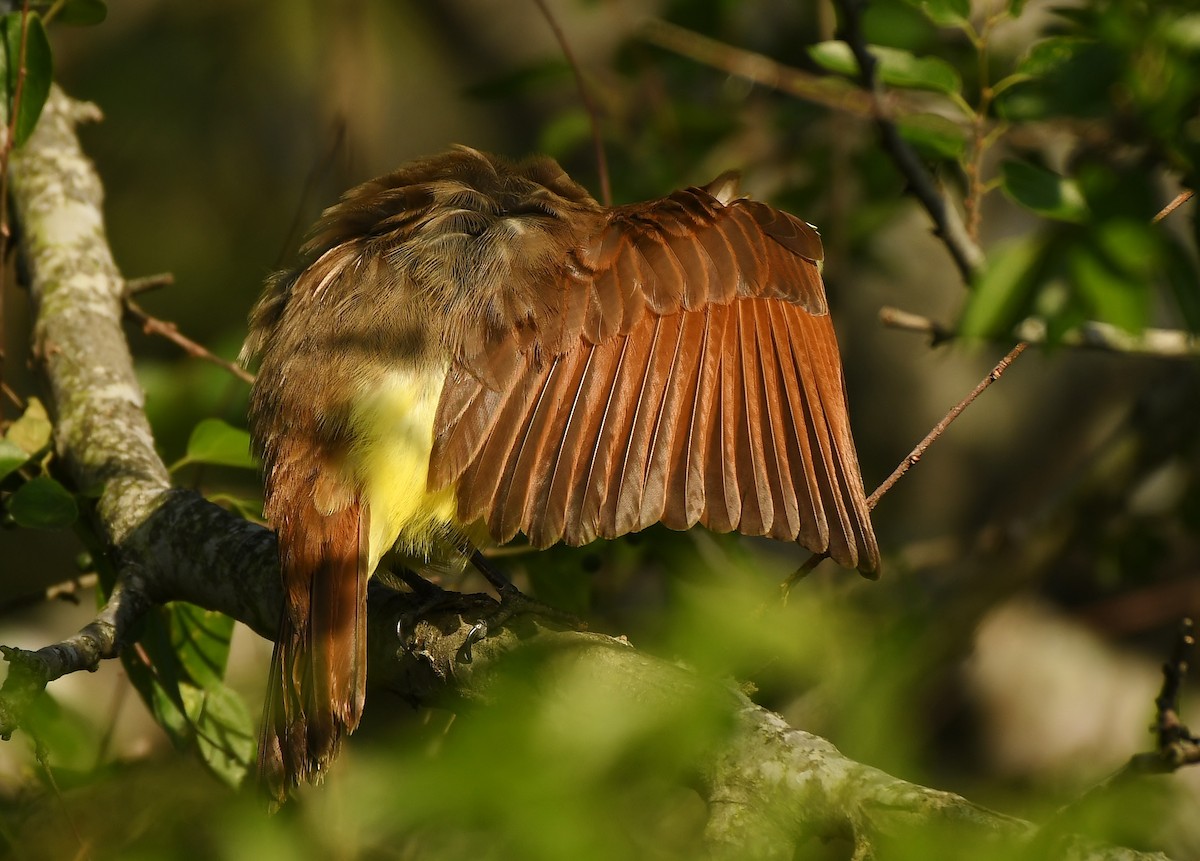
(770, 788)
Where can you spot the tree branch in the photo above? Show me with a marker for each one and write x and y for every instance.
(948, 224)
(770, 788)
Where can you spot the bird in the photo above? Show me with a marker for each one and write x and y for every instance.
(470, 348)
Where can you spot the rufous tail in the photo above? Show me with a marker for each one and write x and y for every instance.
(319, 666)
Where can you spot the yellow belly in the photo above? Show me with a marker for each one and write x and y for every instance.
(392, 424)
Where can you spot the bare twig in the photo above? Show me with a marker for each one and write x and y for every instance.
(1180, 199)
(830, 92)
(12, 396)
(151, 325)
(30, 672)
(916, 454)
(137, 286)
(586, 96)
(948, 225)
(1092, 335)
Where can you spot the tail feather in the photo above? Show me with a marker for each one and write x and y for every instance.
(318, 668)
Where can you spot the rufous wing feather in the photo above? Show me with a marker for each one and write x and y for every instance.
(698, 381)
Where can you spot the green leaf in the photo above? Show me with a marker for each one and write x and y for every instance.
(43, 503)
(39, 70)
(179, 672)
(12, 457)
(1112, 297)
(1182, 276)
(31, 432)
(1050, 55)
(1016, 7)
(935, 134)
(200, 640)
(565, 133)
(998, 299)
(82, 13)
(1043, 191)
(220, 444)
(225, 732)
(945, 13)
(896, 68)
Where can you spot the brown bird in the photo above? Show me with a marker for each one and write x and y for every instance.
(473, 348)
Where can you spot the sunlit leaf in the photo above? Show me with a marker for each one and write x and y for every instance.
(218, 443)
(224, 730)
(201, 640)
(934, 133)
(996, 301)
(31, 432)
(38, 65)
(1043, 191)
(43, 503)
(896, 68)
(12, 457)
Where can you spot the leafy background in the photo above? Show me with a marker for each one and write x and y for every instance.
(1037, 560)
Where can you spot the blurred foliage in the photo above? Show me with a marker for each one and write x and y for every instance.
(1065, 130)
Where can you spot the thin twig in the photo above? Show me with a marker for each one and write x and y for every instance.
(1090, 335)
(137, 286)
(12, 396)
(1180, 199)
(948, 225)
(586, 97)
(151, 325)
(917, 453)
(830, 92)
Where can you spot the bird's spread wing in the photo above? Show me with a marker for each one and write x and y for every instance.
(682, 368)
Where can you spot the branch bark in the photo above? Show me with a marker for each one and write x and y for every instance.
(770, 789)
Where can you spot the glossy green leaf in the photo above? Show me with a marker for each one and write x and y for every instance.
(218, 443)
(997, 300)
(224, 730)
(82, 13)
(39, 70)
(43, 503)
(1043, 191)
(200, 639)
(12, 457)
(31, 432)
(934, 134)
(896, 68)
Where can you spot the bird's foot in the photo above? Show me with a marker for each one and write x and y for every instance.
(513, 602)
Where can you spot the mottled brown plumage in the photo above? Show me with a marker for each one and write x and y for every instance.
(473, 348)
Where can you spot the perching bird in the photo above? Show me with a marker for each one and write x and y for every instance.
(473, 348)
